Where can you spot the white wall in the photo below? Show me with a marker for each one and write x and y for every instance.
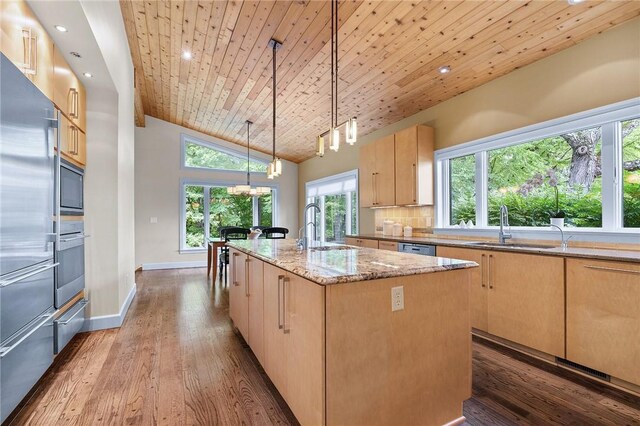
(110, 174)
(158, 174)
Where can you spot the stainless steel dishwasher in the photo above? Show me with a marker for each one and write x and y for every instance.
(423, 249)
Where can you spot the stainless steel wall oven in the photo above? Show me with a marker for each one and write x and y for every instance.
(71, 189)
(70, 253)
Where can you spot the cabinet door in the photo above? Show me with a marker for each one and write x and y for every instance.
(406, 163)
(526, 300)
(350, 241)
(304, 333)
(384, 179)
(274, 338)
(81, 147)
(238, 301)
(256, 307)
(366, 176)
(388, 245)
(603, 317)
(367, 243)
(68, 93)
(478, 291)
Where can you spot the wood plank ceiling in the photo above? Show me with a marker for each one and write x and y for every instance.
(390, 52)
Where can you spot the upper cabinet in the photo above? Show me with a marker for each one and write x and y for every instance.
(26, 43)
(397, 170)
(377, 165)
(68, 92)
(414, 166)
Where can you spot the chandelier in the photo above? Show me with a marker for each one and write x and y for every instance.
(247, 189)
(275, 167)
(351, 125)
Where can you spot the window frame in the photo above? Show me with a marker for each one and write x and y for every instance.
(208, 184)
(184, 139)
(351, 174)
(609, 118)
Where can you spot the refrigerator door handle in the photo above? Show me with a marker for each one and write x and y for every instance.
(4, 351)
(5, 283)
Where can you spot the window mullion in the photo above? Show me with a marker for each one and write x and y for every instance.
(611, 157)
(481, 189)
(207, 210)
(347, 225)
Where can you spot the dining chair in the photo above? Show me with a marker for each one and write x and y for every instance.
(229, 233)
(261, 228)
(275, 233)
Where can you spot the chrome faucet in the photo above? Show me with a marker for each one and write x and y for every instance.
(303, 242)
(564, 244)
(504, 221)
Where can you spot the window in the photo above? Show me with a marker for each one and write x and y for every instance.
(631, 172)
(205, 155)
(206, 208)
(462, 179)
(566, 167)
(545, 177)
(337, 197)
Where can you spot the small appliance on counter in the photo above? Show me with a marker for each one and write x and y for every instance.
(408, 231)
(387, 227)
(397, 230)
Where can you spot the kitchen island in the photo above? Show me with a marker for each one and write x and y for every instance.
(356, 336)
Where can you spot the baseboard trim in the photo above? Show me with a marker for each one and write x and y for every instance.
(174, 265)
(111, 321)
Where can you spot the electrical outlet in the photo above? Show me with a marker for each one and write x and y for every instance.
(397, 298)
(153, 219)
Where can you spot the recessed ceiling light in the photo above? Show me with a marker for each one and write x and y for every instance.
(88, 74)
(186, 54)
(572, 2)
(445, 69)
(75, 54)
(61, 28)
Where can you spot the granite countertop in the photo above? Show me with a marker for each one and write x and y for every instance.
(581, 252)
(337, 264)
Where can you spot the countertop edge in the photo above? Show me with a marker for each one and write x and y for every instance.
(569, 253)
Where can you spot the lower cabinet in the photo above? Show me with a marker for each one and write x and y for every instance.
(361, 242)
(238, 300)
(388, 245)
(603, 317)
(294, 342)
(518, 297)
(255, 303)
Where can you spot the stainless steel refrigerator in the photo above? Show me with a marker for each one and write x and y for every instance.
(27, 140)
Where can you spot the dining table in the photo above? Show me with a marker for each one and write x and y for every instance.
(212, 255)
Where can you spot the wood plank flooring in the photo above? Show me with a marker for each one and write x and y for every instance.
(177, 361)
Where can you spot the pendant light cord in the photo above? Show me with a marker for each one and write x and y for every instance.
(275, 45)
(336, 62)
(248, 173)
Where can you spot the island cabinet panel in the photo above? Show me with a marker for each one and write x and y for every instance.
(274, 338)
(526, 300)
(255, 294)
(478, 286)
(414, 166)
(405, 367)
(603, 317)
(294, 342)
(388, 245)
(361, 242)
(238, 300)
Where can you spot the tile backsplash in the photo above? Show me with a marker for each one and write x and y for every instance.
(419, 218)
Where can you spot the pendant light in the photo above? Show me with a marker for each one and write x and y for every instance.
(247, 189)
(275, 167)
(351, 125)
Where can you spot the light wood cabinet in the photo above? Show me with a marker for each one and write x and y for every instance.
(68, 92)
(72, 141)
(414, 166)
(255, 294)
(478, 290)
(377, 173)
(361, 242)
(26, 43)
(518, 297)
(238, 300)
(603, 317)
(388, 245)
(294, 342)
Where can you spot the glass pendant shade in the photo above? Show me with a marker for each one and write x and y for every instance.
(334, 145)
(271, 171)
(278, 167)
(320, 146)
(351, 131)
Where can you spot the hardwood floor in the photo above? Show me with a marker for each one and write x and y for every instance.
(177, 361)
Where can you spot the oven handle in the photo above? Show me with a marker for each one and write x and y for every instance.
(8, 282)
(68, 240)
